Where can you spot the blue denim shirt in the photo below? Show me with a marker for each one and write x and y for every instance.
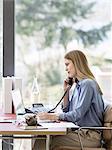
(86, 106)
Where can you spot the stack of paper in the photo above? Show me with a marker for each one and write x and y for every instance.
(9, 83)
(7, 98)
(17, 83)
(26, 127)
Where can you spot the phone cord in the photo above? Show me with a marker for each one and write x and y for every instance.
(59, 101)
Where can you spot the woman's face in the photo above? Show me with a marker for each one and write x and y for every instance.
(70, 68)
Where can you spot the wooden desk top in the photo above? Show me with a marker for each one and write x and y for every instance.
(48, 128)
(11, 129)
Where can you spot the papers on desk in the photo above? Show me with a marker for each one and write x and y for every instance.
(49, 125)
(46, 125)
(25, 127)
(59, 125)
(6, 119)
(45, 121)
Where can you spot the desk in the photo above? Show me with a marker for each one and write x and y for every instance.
(11, 131)
(8, 129)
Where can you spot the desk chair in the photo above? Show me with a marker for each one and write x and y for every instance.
(81, 145)
(107, 134)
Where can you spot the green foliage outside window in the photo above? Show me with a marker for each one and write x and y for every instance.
(58, 20)
(52, 24)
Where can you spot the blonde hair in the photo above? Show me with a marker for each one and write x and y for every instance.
(81, 64)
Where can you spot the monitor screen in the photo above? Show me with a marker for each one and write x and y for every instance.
(18, 102)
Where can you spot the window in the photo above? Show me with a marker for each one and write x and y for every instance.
(1, 44)
(44, 32)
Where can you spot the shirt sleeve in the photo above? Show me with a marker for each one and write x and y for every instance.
(85, 92)
(65, 109)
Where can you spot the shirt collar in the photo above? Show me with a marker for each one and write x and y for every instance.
(78, 82)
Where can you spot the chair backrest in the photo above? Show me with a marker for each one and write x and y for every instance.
(107, 134)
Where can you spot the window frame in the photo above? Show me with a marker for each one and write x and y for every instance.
(8, 47)
(8, 37)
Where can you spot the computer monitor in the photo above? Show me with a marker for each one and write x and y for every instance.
(18, 102)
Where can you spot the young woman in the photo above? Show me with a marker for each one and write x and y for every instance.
(82, 105)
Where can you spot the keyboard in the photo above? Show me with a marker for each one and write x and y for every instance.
(39, 109)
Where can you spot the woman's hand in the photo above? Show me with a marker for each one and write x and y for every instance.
(66, 85)
(48, 116)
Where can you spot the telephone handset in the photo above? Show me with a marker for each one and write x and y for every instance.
(70, 81)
